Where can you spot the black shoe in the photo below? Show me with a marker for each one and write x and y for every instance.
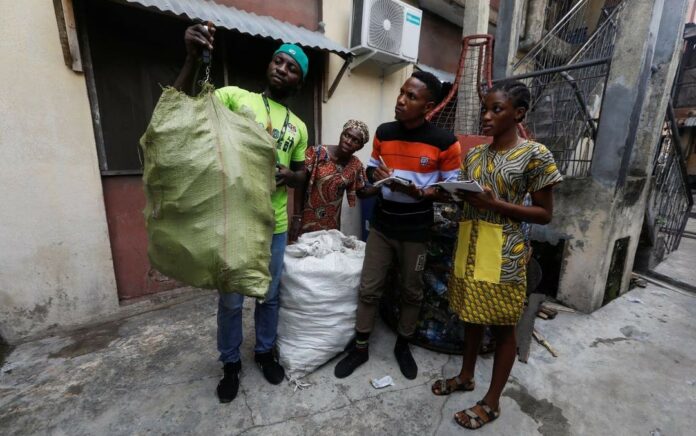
(407, 365)
(348, 364)
(229, 385)
(272, 371)
(349, 346)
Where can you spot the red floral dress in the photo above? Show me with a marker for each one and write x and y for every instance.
(328, 181)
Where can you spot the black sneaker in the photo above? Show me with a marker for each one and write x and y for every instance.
(348, 364)
(229, 385)
(272, 371)
(407, 364)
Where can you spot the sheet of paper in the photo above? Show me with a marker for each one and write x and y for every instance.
(464, 185)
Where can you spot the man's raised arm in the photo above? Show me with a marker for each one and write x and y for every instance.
(197, 38)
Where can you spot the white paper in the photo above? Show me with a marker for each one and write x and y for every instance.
(464, 185)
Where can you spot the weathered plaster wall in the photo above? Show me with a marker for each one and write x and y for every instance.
(664, 66)
(55, 261)
(584, 230)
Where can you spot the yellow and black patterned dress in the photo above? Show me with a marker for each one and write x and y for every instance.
(488, 281)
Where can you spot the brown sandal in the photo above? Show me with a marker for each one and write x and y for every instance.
(476, 417)
(446, 387)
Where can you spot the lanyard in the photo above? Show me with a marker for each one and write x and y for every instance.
(269, 125)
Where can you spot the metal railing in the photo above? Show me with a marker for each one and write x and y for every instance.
(670, 201)
(564, 117)
(567, 99)
(558, 44)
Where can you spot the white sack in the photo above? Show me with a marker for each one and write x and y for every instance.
(318, 299)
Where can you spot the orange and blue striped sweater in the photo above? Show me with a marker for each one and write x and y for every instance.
(425, 155)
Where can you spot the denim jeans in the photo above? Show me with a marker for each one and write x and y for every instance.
(229, 317)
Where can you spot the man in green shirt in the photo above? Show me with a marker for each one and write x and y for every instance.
(285, 74)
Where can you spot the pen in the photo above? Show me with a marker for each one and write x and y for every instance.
(381, 159)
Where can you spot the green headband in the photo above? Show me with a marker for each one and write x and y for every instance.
(297, 54)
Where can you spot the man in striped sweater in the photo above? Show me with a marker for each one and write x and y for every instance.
(412, 149)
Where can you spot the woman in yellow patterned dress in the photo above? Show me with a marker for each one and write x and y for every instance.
(488, 281)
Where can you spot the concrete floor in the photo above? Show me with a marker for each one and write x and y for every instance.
(627, 369)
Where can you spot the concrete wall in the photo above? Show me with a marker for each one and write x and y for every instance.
(584, 231)
(663, 47)
(55, 262)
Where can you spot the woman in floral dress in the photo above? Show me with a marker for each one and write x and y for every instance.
(332, 171)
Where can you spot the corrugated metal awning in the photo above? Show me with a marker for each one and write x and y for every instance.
(688, 122)
(244, 22)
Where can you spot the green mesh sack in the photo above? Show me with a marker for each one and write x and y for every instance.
(208, 176)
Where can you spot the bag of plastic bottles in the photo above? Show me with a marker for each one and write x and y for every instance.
(318, 299)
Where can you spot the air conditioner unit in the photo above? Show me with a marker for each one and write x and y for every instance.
(385, 31)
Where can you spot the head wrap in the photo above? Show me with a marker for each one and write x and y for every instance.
(360, 127)
(297, 54)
